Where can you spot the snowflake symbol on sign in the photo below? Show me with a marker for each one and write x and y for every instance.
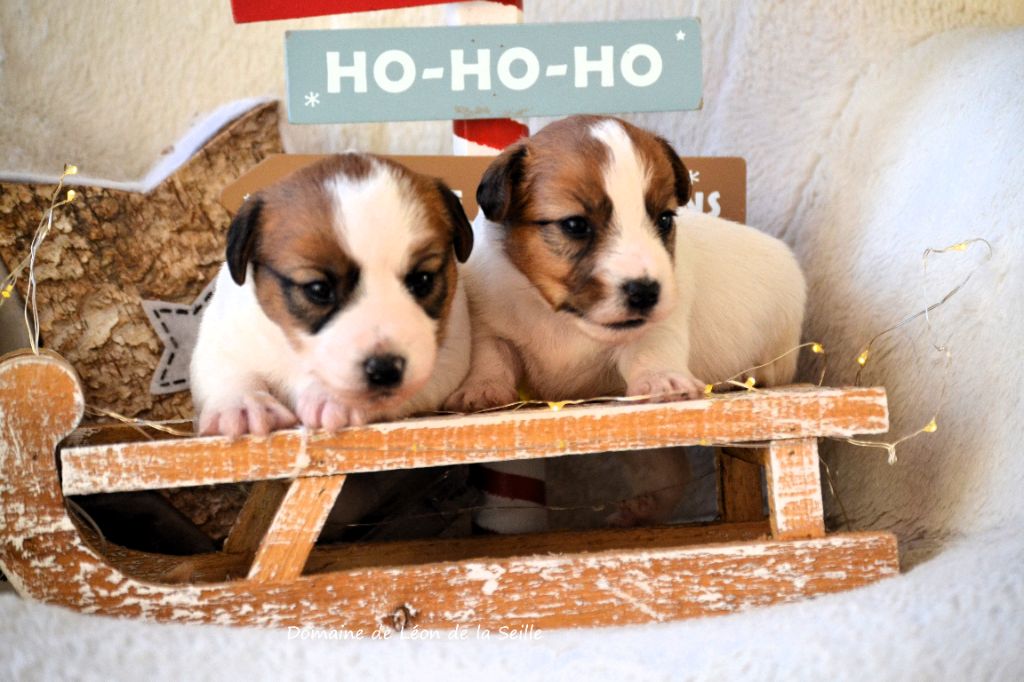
(312, 99)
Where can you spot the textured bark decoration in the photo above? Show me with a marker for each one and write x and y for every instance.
(111, 249)
(625, 576)
(794, 489)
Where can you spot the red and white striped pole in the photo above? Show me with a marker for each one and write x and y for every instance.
(514, 492)
(487, 136)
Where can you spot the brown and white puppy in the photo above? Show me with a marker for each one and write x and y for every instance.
(588, 280)
(339, 303)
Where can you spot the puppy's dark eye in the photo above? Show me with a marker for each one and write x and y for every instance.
(665, 222)
(576, 227)
(420, 283)
(319, 292)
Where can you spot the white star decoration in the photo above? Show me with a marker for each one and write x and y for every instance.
(312, 99)
(177, 326)
(680, 35)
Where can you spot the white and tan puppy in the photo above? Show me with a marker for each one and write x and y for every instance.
(339, 303)
(587, 280)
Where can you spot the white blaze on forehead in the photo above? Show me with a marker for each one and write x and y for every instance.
(376, 219)
(635, 251)
(625, 176)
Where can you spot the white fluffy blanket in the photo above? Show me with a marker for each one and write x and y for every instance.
(872, 131)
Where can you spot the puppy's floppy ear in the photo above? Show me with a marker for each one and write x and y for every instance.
(242, 237)
(683, 187)
(462, 231)
(500, 182)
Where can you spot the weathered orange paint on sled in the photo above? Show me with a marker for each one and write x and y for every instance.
(271, 573)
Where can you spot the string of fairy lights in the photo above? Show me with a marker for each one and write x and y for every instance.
(28, 263)
(743, 380)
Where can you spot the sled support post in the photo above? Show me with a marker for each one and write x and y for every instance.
(255, 517)
(284, 550)
(794, 489)
(793, 484)
(739, 487)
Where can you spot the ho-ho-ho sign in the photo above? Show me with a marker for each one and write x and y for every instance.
(516, 70)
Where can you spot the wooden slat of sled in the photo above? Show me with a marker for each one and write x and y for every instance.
(794, 489)
(798, 412)
(793, 486)
(739, 488)
(220, 566)
(285, 547)
(558, 590)
(255, 517)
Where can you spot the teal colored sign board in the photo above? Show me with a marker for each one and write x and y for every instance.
(509, 71)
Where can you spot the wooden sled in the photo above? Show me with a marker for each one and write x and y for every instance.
(271, 574)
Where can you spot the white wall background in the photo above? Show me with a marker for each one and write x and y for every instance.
(113, 85)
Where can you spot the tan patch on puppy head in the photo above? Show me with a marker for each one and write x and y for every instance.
(297, 246)
(289, 232)
(535, 186)
(527, 248)
(668, 181)
(447, 237)
(668, 185)
(557, 174)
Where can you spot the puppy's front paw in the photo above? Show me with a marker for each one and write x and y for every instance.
(666, 385)
(476, 395)
(319, 409)
(256, 412)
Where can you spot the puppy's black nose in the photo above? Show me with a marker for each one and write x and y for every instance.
(641, 294)
(384, 371)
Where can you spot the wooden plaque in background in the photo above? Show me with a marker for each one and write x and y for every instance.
(461, 173)
(719, 186)
(719, 182)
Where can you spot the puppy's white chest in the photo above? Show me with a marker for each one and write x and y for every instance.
(560, 362)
